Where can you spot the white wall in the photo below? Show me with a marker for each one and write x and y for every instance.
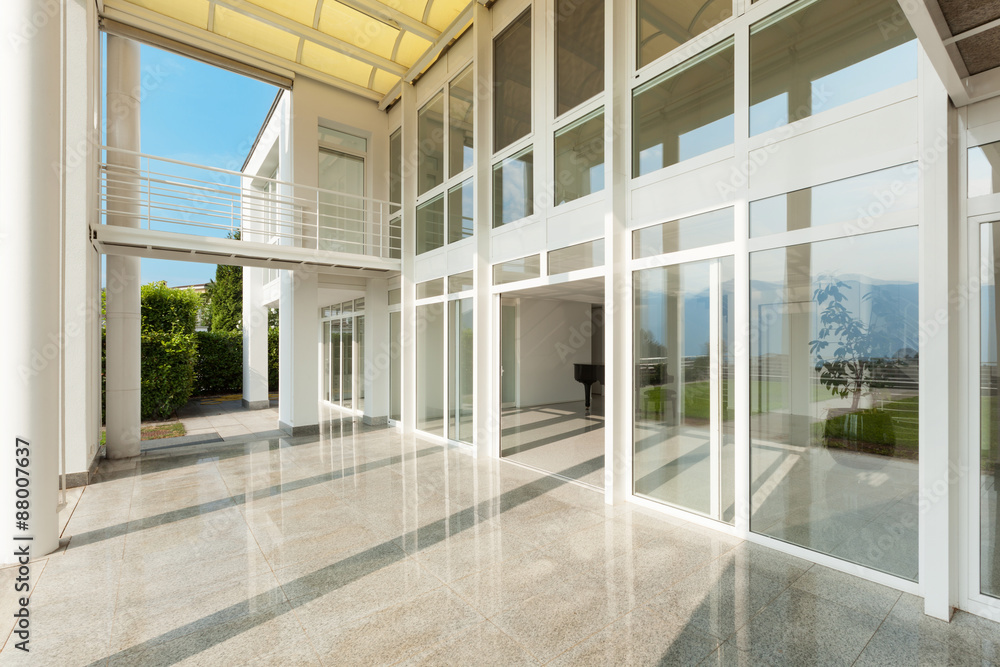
(552, 336)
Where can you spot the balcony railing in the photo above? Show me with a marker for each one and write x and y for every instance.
(167, 195)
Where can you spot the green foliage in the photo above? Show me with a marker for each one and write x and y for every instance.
(220, 363)
(225, 296)
(272, 359)
(166, 310)
(168, 361)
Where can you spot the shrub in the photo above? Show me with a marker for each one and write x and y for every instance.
(168, 361)
(272, 359)
(166, 310)
(220, 362)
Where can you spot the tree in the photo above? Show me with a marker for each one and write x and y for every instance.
(861, 360)
(225, 296)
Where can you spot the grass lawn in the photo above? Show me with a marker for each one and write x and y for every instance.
(154, 432)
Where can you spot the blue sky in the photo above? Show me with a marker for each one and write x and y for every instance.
(202, 114)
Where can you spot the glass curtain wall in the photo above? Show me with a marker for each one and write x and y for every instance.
(988, 458)
(430, 144)
(579, 41)
(343, 338)
(341, 202)
(684, 428)
(579, 156)
(663, 25)
(395, 366)
(430, 368)
(461, 122)
(834, 397)
(460, 386)
(512, 57)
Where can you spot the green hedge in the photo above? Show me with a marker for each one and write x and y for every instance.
(168, 362)
(168, 310)
(220, 363)
(272, 360)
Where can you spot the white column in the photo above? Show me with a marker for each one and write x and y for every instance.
(618, 279)
(485, 415)
(375, 372)
(30, 210)
(409, 294)
(123, 273)
(255, 395)
(942, 402)
(298, 342)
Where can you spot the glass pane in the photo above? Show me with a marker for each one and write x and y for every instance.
(577, 257)
(579, 52)
(359, 305)
(395, 366)
(984, 170)
(580, 158)
(430, 225)
(513, 188)
(856, 203)
(430, 368)
(460, 388)
(341, 202)
(834, 398)
(335, 367)
(684, 429)
(663, 25)
(327, 361)
(989, 402)
(695, 231)
(396, 169)
(338, 139)
(461, 212)
(362, 361)
(430, 288)
(347, 363)
(395, 297)
(685, 112)
(517, 269)
(460, 282)
(512, 82)
(430, 144)
(819, 55)
(461, 103)
(396, 238)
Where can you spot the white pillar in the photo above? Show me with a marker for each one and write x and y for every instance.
(375, 372)
(123, 273)
(298, 343)
(30, 134)
(255, 395)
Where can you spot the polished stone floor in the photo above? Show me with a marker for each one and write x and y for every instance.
(362, 546)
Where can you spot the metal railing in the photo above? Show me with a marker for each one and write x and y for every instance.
(139, 190)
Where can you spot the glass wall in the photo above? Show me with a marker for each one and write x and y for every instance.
(396, 168)
(430, 144)
(430, 369)
(512, 82)
(579, 158)
(684, 428)
(685, 112)
(576, 257)
(461, 108)
(989, 405)
(524, 268)
(579, 37)
(815, 56)
(461, 211)
(834, 397)
(460, 386)
(343, 337)
(341, 201)
(514, 188)
(663, 25)
(695, 231)
(430, 225)
(984, 169)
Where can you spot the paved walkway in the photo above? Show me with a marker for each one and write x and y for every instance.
(362, 546)
(222, 417)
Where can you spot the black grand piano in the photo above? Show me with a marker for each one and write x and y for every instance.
(588, 374)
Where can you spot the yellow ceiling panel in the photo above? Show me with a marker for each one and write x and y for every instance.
(414, 8)
(443, 12)
(384, 81)
(335, 64)
(303, 11)
(255, 33)
(353, 27)
(411, 47)
(192, 12)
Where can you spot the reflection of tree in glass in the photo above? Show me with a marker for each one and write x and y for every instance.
(861, 359)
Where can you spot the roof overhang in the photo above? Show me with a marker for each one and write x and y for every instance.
(962, 41)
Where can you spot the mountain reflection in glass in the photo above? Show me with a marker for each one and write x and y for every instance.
(683, 432)
(834, 397)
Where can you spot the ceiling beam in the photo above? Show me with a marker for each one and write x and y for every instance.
(387, 13)
(305, 32)
(929, 32)
(430, 55)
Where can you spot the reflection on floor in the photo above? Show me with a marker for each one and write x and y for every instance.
(672, 465)
(362, 546)
(558, 437)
